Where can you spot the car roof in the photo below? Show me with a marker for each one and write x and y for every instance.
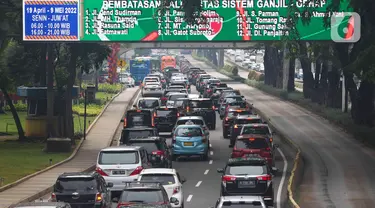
(164, 107)
(147, 139)
(256, 125)
(252, 116)
(200, 99)
(148, 98)
(139, 128)
(122, 148)
(241, 198)
(254, 160)
(77, 175)
(231, 109)
(178, 93)
(158, 170)
(190, 117)
(188, 126)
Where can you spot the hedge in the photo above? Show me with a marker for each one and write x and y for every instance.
(254, 75)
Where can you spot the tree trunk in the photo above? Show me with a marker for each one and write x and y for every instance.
(17, 121)
(308, 82)
(291, 75)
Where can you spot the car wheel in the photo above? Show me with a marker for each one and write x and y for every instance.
(225, 133)
(174, 157)
(182, 205)
(269, 203)
(213, 126)
(205, 156)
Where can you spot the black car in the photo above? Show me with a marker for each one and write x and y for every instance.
(247, 176)
(238, 122)
(203, 107)
(229, 117)
(165, 118)
(144, 193)
(137, 132)
(181, 105)
(138, 117)
(216, 95)
(157, 148)
(82, 190)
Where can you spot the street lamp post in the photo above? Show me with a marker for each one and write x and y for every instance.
(84, 116)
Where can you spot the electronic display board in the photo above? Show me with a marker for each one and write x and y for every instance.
(139, 21)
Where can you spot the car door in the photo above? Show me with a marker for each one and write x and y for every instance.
(145, 160)
(180, 183)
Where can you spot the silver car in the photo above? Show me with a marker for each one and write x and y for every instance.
(121, 164)
(240, 201)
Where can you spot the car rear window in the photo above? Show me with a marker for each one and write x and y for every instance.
(175, 97)
(235, 113)
(195, 121)
(233, 99)
(134, 118)
(238, 104)
(164, 179)
(200, 104)
(213, 81)
(246, 170)
(176, 87)
(118, 157)
(141, 133)
(255, 130)
(75, 184)
(150, 146)
(148, 103)
(147, 196)
(248, 121)
(166, 113)
(188, 132)
(258, 143)
(180, 103)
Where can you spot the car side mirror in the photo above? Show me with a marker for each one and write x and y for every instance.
(122, 120)
(276, 145)
(115, 200)
(265, 122)
(231, 146)
(220, 170)
(183, 180)
(134, 106)
(174, 200)
(109, 185)
(242, 96)
(274, 170)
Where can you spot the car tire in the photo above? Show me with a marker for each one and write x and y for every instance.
(270, 203)
(225, 135)
(173, 157)
(205, 156)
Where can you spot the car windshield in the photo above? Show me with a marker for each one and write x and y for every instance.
(150, 146)
(176, 97)
(200, 104)
(166, 113)
(194, 121)
(164, 179)
(148, 103)
(248, 121)
(118, 157)
(150, 196)
(246, 170)
(75, 184)
(139, 133)
(260, 143)
(263, 130)
(189, 132)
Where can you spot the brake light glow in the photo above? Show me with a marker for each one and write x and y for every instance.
(251, 139)
(178, 114)
(187, 108)
(125, 122)
(268, 149)
(236, 126)
(155, 115)
(53, 197)
(164, 98)
(176, 190)
(158, 152)
(165, 108)
(100, 171)
(271, 140)
(98, 197)
(153, 121)
(137, 171)
(226, 119)
(228, 178)
(138, 111)
(264, 178)
(209, 90)
(213, 107)
(238, 111)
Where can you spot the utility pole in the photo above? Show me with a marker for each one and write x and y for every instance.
(50, 91)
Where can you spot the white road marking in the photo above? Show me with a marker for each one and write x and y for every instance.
(211, 161)
(211, 145)
(280, 189)
(189, 198)
(205, 172)
(198, 184)
(211, 152)
(134, 102)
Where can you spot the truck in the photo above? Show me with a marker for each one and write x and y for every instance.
(139, 69)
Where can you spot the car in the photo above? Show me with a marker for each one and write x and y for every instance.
(181, 105)
(229, 116)
(152, 91)
(144, 194)
(240, 201)
(189, 140)
(227, 92)
(165, 118)
(258, 129)
(137, 132)
(247, 176)
(43, 205)
(157, 149)
(150, 79)
(195, 76)
(238, 104)
(121, 164)
(216, 95)
(138, 117)
(148, 103)
(174, 96)
(207, 91)
(248, 145)
(200, 81)
(229, 99)
(193, 120)
(82, 189)
(238, 122)
(170, 179)
(167, 92)
(203, 107)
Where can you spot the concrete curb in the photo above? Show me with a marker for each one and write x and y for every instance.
(91, 168)
(75, 151)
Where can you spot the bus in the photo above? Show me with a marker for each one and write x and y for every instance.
(140, 67)
(167, 61)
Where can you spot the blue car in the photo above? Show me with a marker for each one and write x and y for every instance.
(190, 140)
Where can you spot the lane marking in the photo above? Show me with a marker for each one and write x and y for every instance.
(210, 145)
(205, 172)
(198, 184)
(211, 152)
(189, 198)
(280, 189)
(211, 161)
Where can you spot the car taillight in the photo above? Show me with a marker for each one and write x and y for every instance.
(188, 109)
(176, 190)
(236, 126)
(53, 197)
(100, 171)
(209, 90)
(98, 197)
(164, 98)
(155, 115)
(226, 119)
(158, 153)
(125, 122)
(178, 114)
(268, 149)
(264, 178)
(213, 107)
(228, 178)
(162, 80)
(137, 171)
(236, 153)
(153, 121)
(202, 83)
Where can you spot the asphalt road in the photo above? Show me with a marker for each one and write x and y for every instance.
(202, 187)
(339, 170)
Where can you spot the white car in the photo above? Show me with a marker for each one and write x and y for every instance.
(170, 179)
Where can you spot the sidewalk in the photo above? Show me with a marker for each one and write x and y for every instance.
(98, 138)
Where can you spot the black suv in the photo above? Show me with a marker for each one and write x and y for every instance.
(203, 107)
(144, 193)
(82, 190)
(137, 132)
(138, 117)
(157, 149)
(165, 118)
(229, 117)
(238, 122)
(247, 176)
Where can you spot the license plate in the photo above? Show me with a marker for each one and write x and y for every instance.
(251, 155)
(188, 143)
(246, 184)
(118, 172)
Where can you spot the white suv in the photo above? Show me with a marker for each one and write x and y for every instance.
(121, 164)
(171, 181)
